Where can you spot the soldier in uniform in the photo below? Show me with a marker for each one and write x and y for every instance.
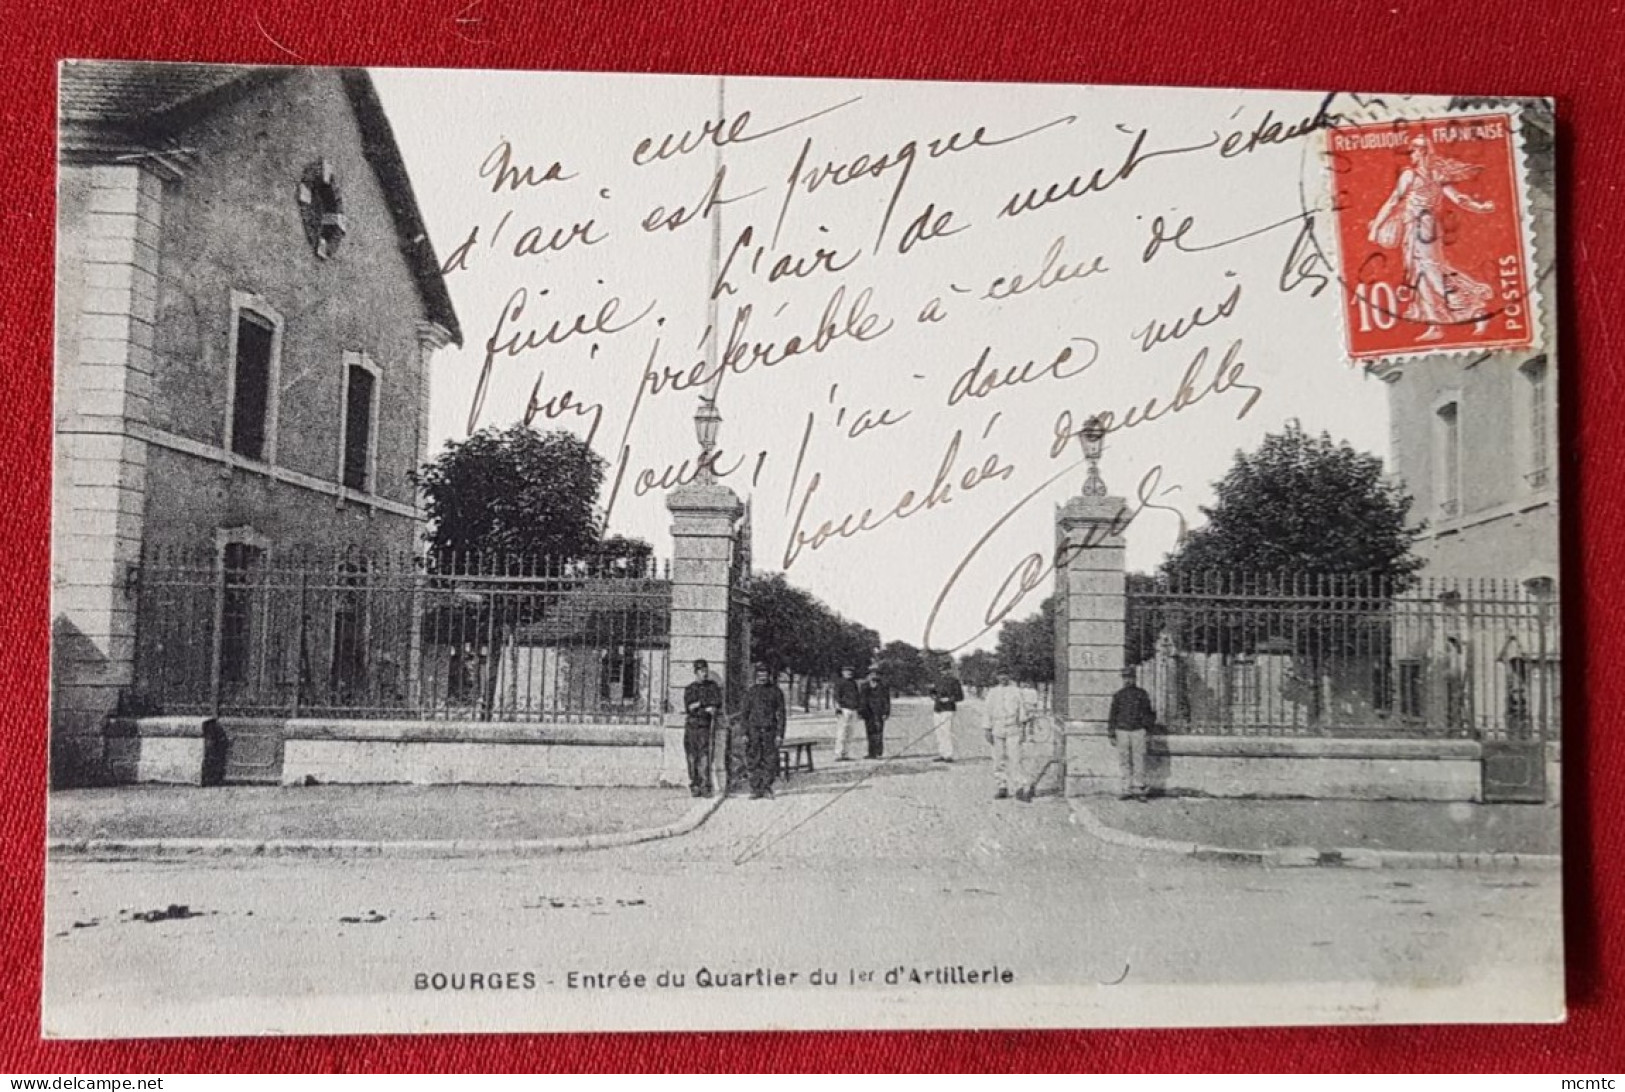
(946, 695)
(846, 711)
(874, 705)
(1010, 710)
(763, 717)
(1130, 719)
(702, 698)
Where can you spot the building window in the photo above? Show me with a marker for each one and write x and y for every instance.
(1536, 374)
(256, 351)
(358, 447)
(1244, 706)
(618, 675)
(1447, 483)
(1535, 692)
(1519, 723)
(347, 674)
(1410, 688)
(240, 561)
(1382, 686)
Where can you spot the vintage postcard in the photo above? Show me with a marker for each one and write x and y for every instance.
(560, 551)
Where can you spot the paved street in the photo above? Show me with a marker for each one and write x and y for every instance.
(860, 868)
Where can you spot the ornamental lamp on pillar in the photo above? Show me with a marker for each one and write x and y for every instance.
(1093, 435)
(707, 420)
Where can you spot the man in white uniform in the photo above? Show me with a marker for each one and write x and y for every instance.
(1009, 711)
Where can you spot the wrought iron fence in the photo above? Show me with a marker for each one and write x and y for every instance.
(1352, 656)
(391, 635)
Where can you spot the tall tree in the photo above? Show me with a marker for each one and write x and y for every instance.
(1303, 551)
(793, 630)
(1026, 647)
(1303, 505)
(516, 492)
(521, 500)
(937, 665)
(902, 668)
(853, 646)
(978, 670)
(786, 627)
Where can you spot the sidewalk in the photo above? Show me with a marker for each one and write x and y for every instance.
(1471, 831)
(241, 817)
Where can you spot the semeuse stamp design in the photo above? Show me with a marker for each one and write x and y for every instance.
(1431, 234)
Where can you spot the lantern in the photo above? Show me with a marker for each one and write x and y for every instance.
(1093, 437)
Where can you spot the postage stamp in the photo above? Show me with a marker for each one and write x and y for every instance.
(1432, 236)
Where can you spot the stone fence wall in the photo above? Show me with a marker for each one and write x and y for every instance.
(1457, 686)
(208, 750)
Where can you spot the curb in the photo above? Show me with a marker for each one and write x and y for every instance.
(1309, 857)
(164, 849)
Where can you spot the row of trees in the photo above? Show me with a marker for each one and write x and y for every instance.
(792, 631)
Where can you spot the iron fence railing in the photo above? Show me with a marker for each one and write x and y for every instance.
(250, 632)
(1351, 656)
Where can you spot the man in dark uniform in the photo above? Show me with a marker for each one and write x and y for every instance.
(702, 699)
(1131, 717)
(763, 718)
(874, 706)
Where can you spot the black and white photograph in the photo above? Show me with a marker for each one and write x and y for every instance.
(560, 551)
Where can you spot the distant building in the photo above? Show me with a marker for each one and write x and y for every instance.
(247, 304)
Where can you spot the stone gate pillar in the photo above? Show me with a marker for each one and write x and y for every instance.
(704, 521)
(1090, 590)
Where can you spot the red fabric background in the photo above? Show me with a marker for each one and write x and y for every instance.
(1572, 50)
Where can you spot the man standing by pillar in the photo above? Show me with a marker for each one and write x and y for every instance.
(1131, 718)
(702, 698)
(846, 711)
(1009, 711)
(763, 715)
(945, 698)
(874, 705)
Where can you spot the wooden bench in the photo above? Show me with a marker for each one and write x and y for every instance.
(795, 754)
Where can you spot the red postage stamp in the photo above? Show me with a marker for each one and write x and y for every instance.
(1431, 233)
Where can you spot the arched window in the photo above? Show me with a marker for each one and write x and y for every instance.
(252, 386)
(358, 414)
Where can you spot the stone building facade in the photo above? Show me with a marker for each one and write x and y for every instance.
(1475, 442)
(247, 304)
